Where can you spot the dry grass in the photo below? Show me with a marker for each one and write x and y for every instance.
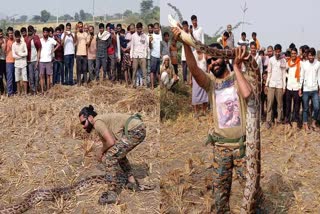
(290, 168)
(175, 104)
(42, 145)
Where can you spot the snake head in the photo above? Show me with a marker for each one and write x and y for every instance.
(173, 22)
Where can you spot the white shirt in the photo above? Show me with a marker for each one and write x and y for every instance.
(47, 49)
(139, 46)
(310, 75)
(155, 51)
(20, 53)
(198, 34)
(68, 44)
(293, 84)
(259, 62)
(183, 54)
(241, 43)
(276, 74)
(33, 56)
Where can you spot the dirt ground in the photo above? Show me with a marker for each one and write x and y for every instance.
(42, 145)
(290, 165)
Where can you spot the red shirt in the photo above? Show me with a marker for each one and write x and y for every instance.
(37, 44)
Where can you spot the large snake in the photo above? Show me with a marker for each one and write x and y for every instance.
(252, 191)
(65, 192)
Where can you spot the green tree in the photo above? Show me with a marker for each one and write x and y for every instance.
(76, 17)
(23, 18)
(117, 15)
(52, 18)
(4, 24)
(88, 16)
(67, 17)
(133, 18)
(100, 18)
(146, 6)
(36, 18)
(127, 13)
(45, 15)
(82, 15)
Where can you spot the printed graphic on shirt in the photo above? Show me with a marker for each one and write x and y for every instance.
(142, 40)
(227, 103)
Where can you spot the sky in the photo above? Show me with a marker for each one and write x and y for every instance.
(275, 21)
(33, 7)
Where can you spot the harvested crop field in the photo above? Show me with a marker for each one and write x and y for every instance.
(290, 164)
(43, 145)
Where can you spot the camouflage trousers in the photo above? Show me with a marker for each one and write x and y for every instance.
(225, 160)
(117, 164)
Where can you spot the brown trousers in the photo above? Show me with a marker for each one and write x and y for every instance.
(142, 62)
(278, 94)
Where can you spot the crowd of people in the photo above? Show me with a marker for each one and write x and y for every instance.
(31, 63)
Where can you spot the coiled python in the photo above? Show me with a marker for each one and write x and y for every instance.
(65, 192)
(252, 192)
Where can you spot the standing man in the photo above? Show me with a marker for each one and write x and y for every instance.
(33, 46)
(112, 59)
(292, 89)
(58, 66)
(230, 41)
(19, 53)
(310, 82)
(103, 42)
(126, 46)
(81, 55)
(154, 44)
(2, 61)
(68, 42)
(150, 34)
(11, 83)
(24, 34)
(276, 85)
(92, 52)
(268, 57)
(185, 27)
(256, 56)
(254, 39)
(48, 46)
(197, 31)
(138, 53)
(223, 86)
(165, 45)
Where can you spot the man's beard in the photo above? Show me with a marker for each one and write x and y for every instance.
(89, 127)
(220, 72)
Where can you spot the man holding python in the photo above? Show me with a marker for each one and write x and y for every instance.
(223, 86)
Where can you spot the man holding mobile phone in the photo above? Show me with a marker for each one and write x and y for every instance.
(68, 43)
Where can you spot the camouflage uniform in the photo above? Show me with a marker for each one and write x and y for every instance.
(225, 159)
(117, 164)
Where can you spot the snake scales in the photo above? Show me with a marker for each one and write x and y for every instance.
(252, 192)
(65, 192)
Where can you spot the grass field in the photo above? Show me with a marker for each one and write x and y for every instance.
(290, 164)
(42, 145)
